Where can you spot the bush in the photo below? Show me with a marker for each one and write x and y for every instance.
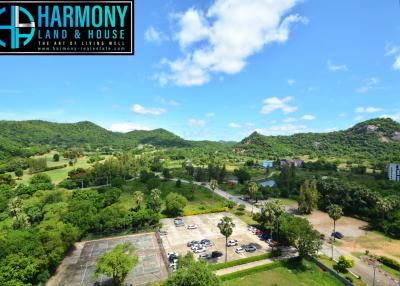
(343, 264)
(231, 204)
(389, 262)
(241, 207)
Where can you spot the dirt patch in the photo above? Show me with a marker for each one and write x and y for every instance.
(356, 236)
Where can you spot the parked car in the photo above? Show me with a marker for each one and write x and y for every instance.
(337, 235)
(240, 250)
(220, 223)
(264, 236)
(179, 223)
(195, 246)
(162, 232)
(251, 228)
(199, 250)
(232, 242)
(216, 254)
(258, 232)
(172, 253)
(204, 256)
(191, 243)
(206, 242)
(250, 248)
(191, 226)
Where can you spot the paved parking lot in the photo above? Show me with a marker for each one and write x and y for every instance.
(78, 268)
(178, 237)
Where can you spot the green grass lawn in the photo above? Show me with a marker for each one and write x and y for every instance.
(203, 201)
(60, 174)
(234, 190)
(307, 274)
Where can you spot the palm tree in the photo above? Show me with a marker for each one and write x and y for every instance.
(213, 186)
(335, 212)
(155, 195)
(252, 190)
(138, 197)
(15, 206)
(226, 229)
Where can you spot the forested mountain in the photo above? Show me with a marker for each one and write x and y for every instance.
(372, 139)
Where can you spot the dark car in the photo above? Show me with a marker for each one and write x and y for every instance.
(250, 248)
(264, 236)
(216, 254)
(337, 235)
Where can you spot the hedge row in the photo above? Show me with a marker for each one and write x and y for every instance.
(246, 260)
(389, 262)
(253, 270)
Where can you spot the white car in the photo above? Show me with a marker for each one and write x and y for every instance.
(199, 250)
(195, 246)
(251, 228)
(191, 226)
(232, 242)
(240, 250)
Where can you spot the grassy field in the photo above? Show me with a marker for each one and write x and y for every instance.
(202, 201)
(307, 274)
(60, 174)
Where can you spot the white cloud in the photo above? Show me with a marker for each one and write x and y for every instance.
(196, 122)
(250, 124)
(210, 114)
(308, 117)
(395, 116)
(367, 109)
(139, 109)
(125, 127)
(152, 35)
(396, 65)
(290, 120)
(335, 67)
(391, 49)
(234, 125)
(282, 129)
(168, 102)
(274, 103)
(291, 81)
(223, 38)
(342, 115)
(359, 117)
(369, 84)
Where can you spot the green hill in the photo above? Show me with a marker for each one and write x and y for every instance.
(372, 139)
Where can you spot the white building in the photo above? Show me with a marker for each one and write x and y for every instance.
(394, 172)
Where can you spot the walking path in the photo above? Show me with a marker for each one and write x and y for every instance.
(243, 266)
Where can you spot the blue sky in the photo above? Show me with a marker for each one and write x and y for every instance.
(221, 69)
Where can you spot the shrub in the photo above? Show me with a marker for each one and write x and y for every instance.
(241, 207)
(343, 264)
(389, 262)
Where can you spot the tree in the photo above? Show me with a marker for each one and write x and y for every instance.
(270, 214)
(155, 200)
(193, 273)
(117, 263)
(175, 203)
(252, 189)
(15, 206)
(56, 157)
(138, 197)
(343, 264)
(21, 221)
(19, 173)
(308, 198)
(299, 233)
(213, 186)
(242, 175)
(178, 183)
(166, 173)
(226, 229)
(335, 212)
